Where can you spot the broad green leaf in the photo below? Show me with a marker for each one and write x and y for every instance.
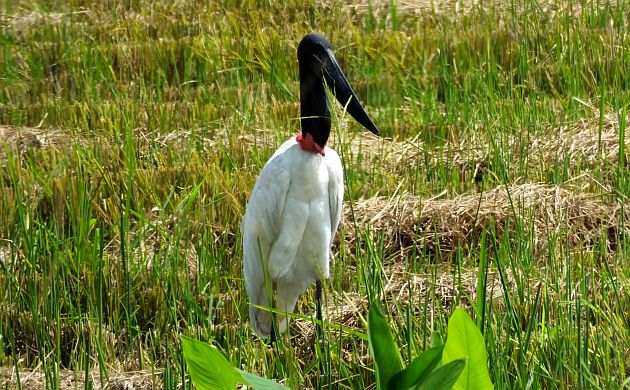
(444, 377)
(260, 383)
(413, 376)
(465, 340)
(382, 347)
(209, 369)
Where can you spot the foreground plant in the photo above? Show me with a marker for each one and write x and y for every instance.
(460, 363)
(210, 370)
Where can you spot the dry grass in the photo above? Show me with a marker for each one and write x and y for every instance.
(28, 21)
(432, 224)
(581, 143)
(35, 379)
(443, 226)
(458, 8)
(19, 140)
(163, 113)
(401, 287)
(348, 311)
(398, 156)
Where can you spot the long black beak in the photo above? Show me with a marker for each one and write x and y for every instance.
(338, 84)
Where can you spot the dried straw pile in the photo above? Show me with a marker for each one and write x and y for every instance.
(441, 226)
(582, 144)
(18, 140)
(398, 156)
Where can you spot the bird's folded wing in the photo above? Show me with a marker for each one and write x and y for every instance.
(264, 212)
(260, 228)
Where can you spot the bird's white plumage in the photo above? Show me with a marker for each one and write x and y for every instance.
(288, 229)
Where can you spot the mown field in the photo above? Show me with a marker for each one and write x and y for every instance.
(132, 132)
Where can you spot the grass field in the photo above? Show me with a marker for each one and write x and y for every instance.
(132, 132)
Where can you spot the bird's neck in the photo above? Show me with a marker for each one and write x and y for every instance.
(314, 114)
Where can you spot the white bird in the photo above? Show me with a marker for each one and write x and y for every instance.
(295, 207)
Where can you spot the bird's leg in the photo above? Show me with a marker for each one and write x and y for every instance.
(318, 302)
(275, 331)
(324, 376)
(272, 333)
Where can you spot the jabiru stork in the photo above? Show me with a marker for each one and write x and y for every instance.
(295, 207)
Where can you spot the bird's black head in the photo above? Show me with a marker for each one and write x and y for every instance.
(313, 52)
(319, 67)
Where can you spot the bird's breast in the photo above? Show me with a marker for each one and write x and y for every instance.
(310, 176)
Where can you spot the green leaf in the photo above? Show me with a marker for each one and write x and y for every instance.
(260, 383)
(209, 369)
(465, 340)
(382, 347)
(436, 339)
(444, 377)
(416, 373)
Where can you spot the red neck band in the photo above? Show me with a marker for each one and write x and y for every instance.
(308, 144)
